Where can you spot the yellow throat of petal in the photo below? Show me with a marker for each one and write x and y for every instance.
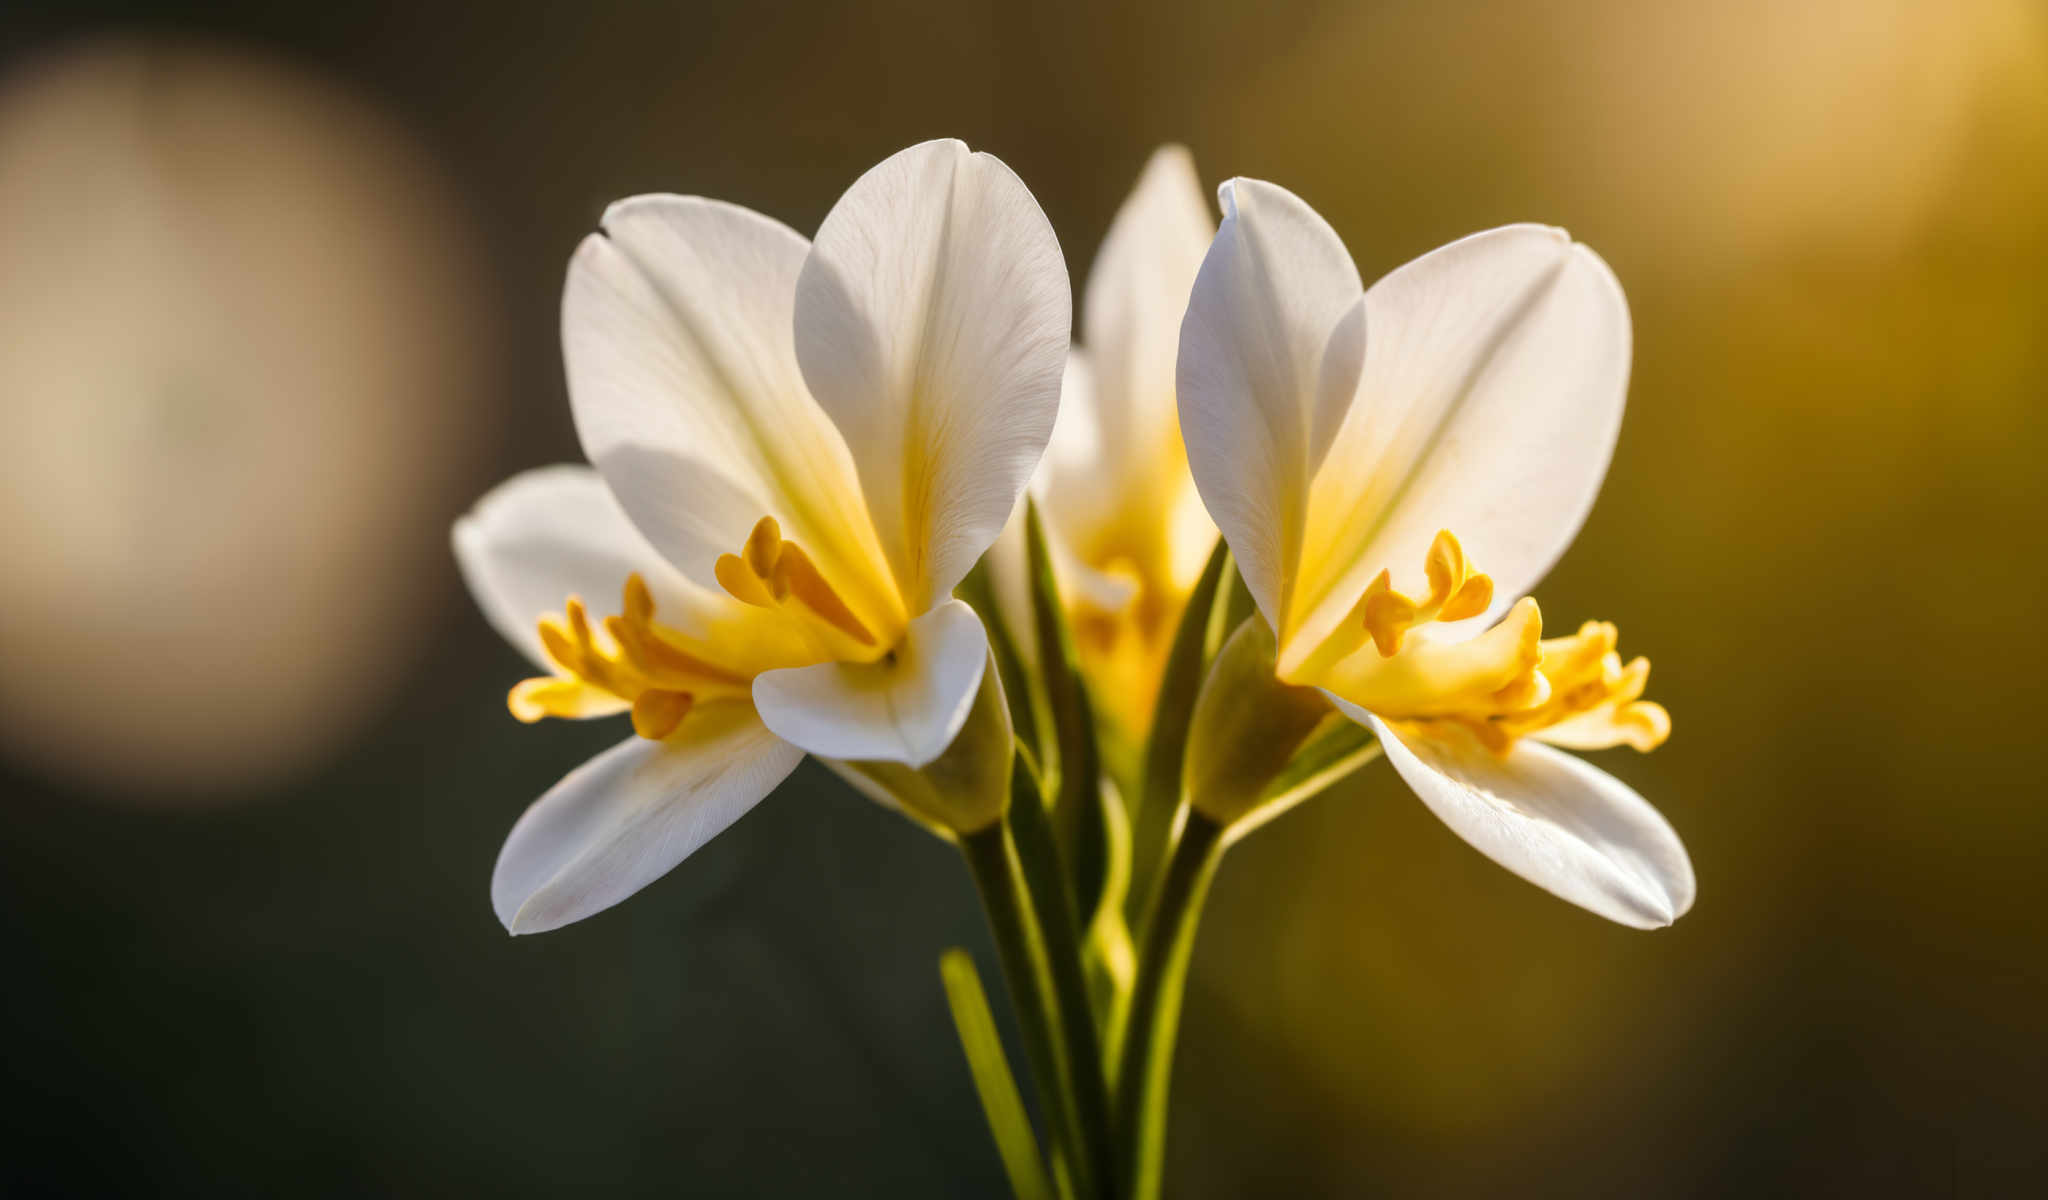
(1507, 683)
(1123, 649)
(777, 575)
(633, 663)
(660, 674)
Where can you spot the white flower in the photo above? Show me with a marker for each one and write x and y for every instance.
(1340, 435)
(800, 449)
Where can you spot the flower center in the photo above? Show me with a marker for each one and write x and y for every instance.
(659, 673)
(1595, 700)
(774, 574)
(1504, 684)
(636, 662)
(1384, 616)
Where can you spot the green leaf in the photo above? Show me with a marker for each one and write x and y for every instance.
(1233, 605)
(1063, 998)
(1194, 643)
(1106, 946)
(1073, 768)
(1026, 696)
(1145, 1055)
(1000, 1100)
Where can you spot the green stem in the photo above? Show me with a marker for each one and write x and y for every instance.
(1146, 1062)
(1038, 855)
(1027, 967)
(992, 1079)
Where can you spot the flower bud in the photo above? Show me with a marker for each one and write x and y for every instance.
(1247, 727)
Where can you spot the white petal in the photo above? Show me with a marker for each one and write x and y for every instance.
(1138, 292)
(676, 331)
(1083, 489)
(1076, 485)
(550, 533)
(1008, 562)
(905, 708)
(1495, 374)
(627, 817)
(932, 320)
(1269, 356)
(1557, 821)
(1131, 314)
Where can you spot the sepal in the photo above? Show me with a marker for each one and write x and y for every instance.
(1247, 727)
(966, 789)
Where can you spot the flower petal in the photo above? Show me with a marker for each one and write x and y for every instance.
(1557, 821)
(1077, 486)
(627, 817)
(1136, 500)
(676, 331)
(906, 708)
(550, 533)
(1496, 369)
(1269, 356)
(1083, 488)
(1137, 294)
(932, 322)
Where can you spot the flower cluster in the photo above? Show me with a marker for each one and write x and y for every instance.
(861, 498)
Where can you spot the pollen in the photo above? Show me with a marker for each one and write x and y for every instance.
(1385, 617)
(771, 573)
(1592, 701)
(1505, 684)
(632, 664)
(1456, 591)
(1596, 699)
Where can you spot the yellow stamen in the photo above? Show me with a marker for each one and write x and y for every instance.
(1503, 685)
(1471, 599)
(1593, 701)
(1597, 701)
(1427, 678)
(796, 575)
(555, 696)
(652, 651)
(736, 577)
(770, 573)
(1386, 614)
(764, 546)
(657, 713)
(638, 664)
(1456, 591)
(1445, 566)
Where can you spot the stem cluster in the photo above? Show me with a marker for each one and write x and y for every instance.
(1103, 1090)
(1094, 909)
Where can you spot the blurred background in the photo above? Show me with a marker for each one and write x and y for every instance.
(278, 296)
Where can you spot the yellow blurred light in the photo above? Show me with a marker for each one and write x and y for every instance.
(240, 379)
(1718, 133)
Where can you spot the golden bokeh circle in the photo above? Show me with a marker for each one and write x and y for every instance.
(241, 389)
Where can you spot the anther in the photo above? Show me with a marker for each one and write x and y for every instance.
(768, 572)
(637, 666)
(1456, 592)
(1387, 615)
(561, 650)
(764, 546)
(657, 713)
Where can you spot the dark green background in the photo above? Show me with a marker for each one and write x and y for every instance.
(1824, 524)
